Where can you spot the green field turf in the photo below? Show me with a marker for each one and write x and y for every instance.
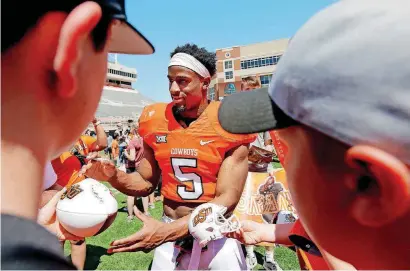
(98, 259)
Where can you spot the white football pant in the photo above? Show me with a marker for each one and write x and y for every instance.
(221, 254)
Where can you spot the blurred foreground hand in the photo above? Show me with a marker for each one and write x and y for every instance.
(48, 219)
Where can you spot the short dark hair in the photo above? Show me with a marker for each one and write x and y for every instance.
(27, 13)
(208, 59)
(252, 81)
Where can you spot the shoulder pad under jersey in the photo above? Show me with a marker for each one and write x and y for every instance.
(152, 115)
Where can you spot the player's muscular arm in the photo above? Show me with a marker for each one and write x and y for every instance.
(232, 177)
(231, 180)
(130, 156)
(140, 184)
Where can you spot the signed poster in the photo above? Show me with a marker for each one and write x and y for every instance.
(264, 196)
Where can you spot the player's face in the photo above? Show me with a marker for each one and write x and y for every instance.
(185, 87)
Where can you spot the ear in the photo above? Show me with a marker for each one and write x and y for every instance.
(381, 185)
(72, 42)
(205, 83)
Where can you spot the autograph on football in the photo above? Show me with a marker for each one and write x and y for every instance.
(72, 192)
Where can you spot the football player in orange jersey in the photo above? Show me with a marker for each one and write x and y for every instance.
(67, 166)
(199, 161)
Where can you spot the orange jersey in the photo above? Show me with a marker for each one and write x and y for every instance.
(115, 148)
(189, 158)
(67, 166)
(84, 144)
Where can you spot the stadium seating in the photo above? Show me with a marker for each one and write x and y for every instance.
(121, 103)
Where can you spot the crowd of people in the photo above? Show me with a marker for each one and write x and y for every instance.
(337, 120)
(126, 149)
(64, 170)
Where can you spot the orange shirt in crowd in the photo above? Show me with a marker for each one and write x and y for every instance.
(67, 166)
(115, 149)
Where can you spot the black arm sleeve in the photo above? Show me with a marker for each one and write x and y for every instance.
(27, 245)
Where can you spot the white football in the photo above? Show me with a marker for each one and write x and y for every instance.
(87, 208)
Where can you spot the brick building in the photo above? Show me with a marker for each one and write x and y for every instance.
(236, 62)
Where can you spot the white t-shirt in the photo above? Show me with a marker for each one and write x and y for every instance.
(260, 140)
(50, 177)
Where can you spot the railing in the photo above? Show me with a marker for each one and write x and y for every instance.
(111, 123)
(118, 85)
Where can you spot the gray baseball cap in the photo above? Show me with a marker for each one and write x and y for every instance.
(346, 73)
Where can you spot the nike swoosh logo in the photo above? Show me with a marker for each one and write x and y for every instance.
(202, 143)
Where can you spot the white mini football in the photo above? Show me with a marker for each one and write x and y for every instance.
(87, 208)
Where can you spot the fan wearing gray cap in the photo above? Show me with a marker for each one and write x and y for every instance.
(340, 101)
(54, 62)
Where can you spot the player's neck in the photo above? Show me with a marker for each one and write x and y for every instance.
(22, 179)
(195, 113)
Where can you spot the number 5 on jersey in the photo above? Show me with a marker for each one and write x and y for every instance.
(195, 179)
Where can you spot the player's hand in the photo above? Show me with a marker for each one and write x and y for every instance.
(101, 170)
(250, 233)
(152, 234)
(47, 218)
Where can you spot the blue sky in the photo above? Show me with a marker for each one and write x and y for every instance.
(211, 24)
